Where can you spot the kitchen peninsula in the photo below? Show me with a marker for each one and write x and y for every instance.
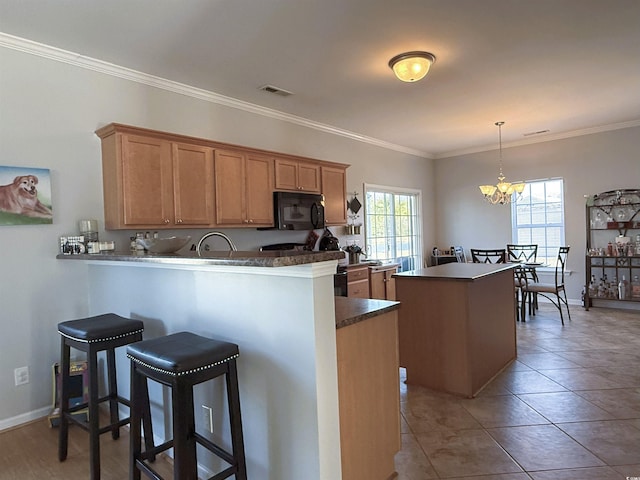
(456, 325)
(279, 307)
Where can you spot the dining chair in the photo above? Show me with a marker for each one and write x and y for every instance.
(522, 253)
(555, 292)
(488, 256)
(522, 275)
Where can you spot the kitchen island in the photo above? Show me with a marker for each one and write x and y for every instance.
(456, 325)
(279, 308)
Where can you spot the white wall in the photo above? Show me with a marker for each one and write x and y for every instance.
(48, 113)
(588, 164)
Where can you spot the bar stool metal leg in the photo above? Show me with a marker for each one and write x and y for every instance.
(184, 440)
(233, 400)
(113, 394)
(63, 434)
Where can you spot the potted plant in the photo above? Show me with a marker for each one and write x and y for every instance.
(354, 252)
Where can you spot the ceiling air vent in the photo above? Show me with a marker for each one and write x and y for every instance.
(539, 132)
(275, 90)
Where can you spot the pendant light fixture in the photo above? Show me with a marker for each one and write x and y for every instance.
(412, 66)
(502, 193)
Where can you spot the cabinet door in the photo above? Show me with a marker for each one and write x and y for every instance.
(259, 190)
(229, 180)
(286, 175)
(334, 187)
(390, 284)
(299, 176)
(358, 289)
(382, 285)
(146, 181)
(309, 177)
(377, 285)
(193, 184)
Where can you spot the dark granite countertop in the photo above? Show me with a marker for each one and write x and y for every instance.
(275, 258)
(354, 310)
(467, 272)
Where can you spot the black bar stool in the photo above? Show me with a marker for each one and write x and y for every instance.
(180, 361)
(92, 335)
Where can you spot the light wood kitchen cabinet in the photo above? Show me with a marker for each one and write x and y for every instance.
(298, 176)
(368, 379)
(357, 281)
(192, 185)
(156, 180)
(334, 189)
(154, 183)
(244, 189)
(382, 285)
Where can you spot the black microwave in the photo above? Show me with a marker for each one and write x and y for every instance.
(298, 211)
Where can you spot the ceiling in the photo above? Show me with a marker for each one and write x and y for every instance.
(565, 67)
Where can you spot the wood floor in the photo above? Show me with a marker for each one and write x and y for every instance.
(30, 452)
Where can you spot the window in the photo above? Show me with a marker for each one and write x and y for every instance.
(538, 217)
(393, 226)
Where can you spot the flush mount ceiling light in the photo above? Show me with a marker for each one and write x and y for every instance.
(412, 66)
(502, 192)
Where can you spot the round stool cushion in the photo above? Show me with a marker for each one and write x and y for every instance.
(100, 328)
(181, 353)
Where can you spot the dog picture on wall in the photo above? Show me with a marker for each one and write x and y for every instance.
(25, 196)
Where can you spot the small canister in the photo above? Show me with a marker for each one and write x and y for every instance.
(89, 228)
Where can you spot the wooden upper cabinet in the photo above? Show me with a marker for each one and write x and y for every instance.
(146, 183)
(298, 176)
(259, 190)
(244, 186)
(192, 184)
(158, 180)
(334, 187)
(151, 182)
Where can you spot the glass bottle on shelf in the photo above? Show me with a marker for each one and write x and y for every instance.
(593, 289)
(635, 288)
(622, 289)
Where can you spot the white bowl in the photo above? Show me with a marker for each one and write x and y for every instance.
(163, 245)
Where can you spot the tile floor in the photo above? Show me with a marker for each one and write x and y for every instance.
(567, 409)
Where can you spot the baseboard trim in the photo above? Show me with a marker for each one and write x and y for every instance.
(23, 418)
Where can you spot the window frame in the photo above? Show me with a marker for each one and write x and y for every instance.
(417, 253)
(550, 257)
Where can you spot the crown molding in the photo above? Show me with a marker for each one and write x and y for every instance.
(75, 59)
(541, 139)
(78, 60)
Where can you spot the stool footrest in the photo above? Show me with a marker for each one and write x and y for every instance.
(223, 454)
(147, 470)
(108, 428)
(225, 473)
(84, 405)
(152, 452)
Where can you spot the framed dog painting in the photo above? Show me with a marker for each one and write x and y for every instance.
(25, 196)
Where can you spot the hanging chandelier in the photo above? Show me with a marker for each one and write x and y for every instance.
(502, 192)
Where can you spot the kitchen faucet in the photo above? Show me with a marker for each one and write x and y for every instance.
(215, 234)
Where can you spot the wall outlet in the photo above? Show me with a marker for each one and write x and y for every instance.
(21, 375)
(207, 415)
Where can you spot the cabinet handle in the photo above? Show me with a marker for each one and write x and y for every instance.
(166, 220)
(179, 220)
(250, 221)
